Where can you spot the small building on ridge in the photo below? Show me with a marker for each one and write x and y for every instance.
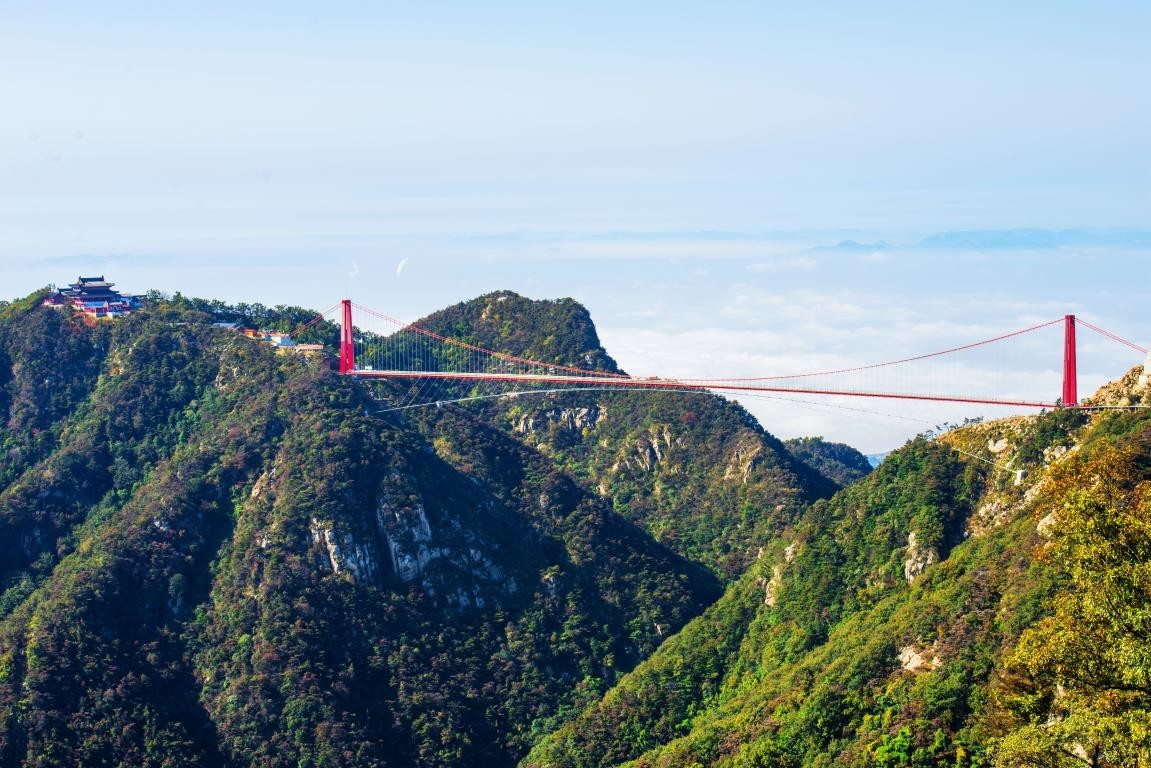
(94, 296)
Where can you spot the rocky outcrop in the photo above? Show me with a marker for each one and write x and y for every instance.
(408, 535)
(342, 553)
(916, 659)
(1133, 389)
(747, 454)
(918, 557)
(450, 561)
(772, 586)
(648, 451)
(575, 419)
(990, 515)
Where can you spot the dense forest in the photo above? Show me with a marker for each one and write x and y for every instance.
(838, 461)
(933, 613)
(695, 471)
(214, 554)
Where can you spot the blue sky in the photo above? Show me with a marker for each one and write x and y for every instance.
(661, 162)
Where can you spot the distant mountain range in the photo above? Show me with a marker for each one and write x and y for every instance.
(853, 246)
(1004, 239)
(1037, 239)
(860, 241)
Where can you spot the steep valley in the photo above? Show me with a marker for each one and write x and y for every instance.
(906, 621)
(213, 554)
(217, 555)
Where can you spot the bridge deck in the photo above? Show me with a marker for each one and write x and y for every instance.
(674, 384)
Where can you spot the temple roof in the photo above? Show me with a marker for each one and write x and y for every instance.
(94, 296)
(91, 282)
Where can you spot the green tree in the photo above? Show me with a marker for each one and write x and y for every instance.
(1088, 699)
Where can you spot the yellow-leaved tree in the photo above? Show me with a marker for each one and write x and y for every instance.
(1082, 694)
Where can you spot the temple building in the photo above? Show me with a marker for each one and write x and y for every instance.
(94, 296)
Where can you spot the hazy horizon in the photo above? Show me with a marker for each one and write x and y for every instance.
(688, 173)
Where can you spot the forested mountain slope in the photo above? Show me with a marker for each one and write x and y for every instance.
(211, 554)
(902, 622)
(214, 555)
(837, 461)
(693, 469)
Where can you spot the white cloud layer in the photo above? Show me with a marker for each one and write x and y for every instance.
(699, 311)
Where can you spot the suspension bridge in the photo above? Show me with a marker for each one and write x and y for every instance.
(375, 346)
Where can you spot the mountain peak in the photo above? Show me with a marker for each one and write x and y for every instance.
(854, 246)
(558, 331)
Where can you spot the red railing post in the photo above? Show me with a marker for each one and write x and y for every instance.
(1070, 394)
(347, 349)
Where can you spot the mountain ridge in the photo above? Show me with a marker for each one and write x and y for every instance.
(696, 471)
(211, 554)
(892, 624)
(270, 606)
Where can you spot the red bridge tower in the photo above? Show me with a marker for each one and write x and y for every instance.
(1070, 395)
(347, 349)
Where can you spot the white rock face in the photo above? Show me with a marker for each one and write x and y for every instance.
(990, 515)
(569, 418)
(744, 458)
(918, 558)
(448, 560)
(344, 554)
(649, 451)
(30, 542)
(550, 580)
(771, 589)
(1044, 526)
(261, 485)
(408, 534)
(772, 586)
(914, 660)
